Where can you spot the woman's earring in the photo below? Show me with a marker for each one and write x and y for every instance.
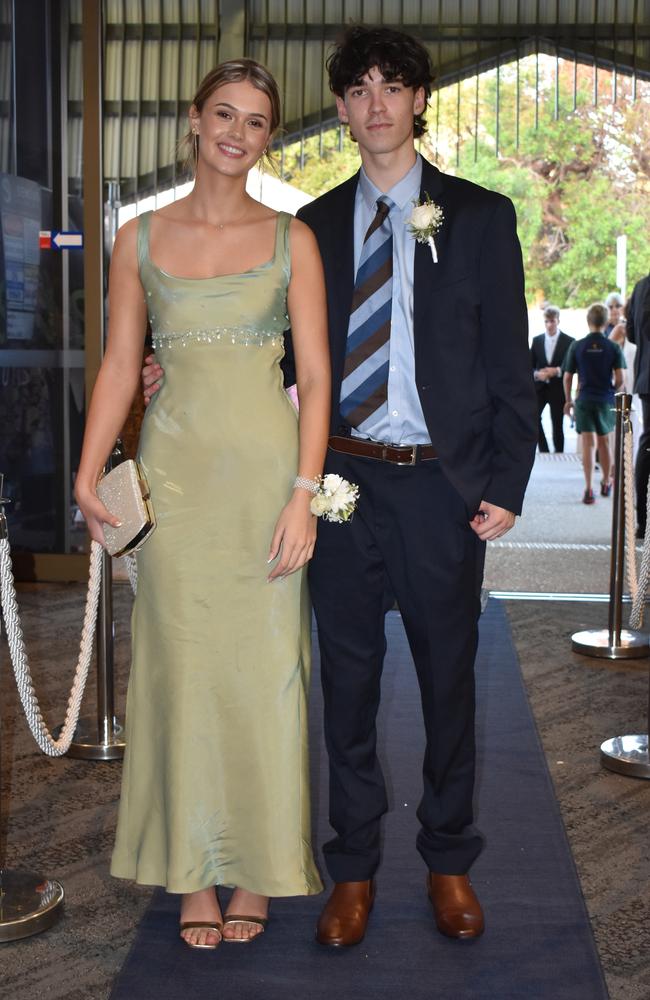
(263, 161)
(195, 133)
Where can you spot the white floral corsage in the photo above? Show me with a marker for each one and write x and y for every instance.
(336, 498)
(424, 222)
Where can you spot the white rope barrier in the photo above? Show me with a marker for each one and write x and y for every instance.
(131, 564)
(639, 602)
(628, 501)
(18, 653)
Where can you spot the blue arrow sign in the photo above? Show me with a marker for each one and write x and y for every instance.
(68, 240)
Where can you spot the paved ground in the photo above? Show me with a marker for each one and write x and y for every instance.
(554, 516)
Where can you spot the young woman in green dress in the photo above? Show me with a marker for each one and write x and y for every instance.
(215, 787)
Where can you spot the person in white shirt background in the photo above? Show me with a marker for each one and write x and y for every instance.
(548, 351)
(619, 334)
(615, 312)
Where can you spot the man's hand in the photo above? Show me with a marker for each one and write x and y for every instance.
(152, 373)
(491, 522)
(567, 409)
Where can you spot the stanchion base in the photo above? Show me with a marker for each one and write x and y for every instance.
(596, 642)
(87, 744)
(627, 755)
(29, 904)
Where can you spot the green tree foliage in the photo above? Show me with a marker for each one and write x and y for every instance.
(326, 162)
(577, 171)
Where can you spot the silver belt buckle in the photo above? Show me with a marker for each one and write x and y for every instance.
(414, 455)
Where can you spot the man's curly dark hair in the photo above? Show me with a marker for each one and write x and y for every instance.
(396, 55)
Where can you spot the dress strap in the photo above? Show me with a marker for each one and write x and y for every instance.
(282, 251)
(144, 225)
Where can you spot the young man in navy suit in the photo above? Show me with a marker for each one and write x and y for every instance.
(442, 463)
(439, 433)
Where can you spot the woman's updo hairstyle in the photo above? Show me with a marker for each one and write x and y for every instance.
(232, 71)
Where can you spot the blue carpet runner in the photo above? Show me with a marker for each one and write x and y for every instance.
(538, 943)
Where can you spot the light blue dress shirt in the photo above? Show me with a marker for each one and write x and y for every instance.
(404, 423)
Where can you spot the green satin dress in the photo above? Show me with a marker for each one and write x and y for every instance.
(215, 787)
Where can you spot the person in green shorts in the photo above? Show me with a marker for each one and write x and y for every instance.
(599, 364)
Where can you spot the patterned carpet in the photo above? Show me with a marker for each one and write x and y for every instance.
(578, 702)
(61, 812)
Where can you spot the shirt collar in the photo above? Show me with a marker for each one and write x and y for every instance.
(405, 192)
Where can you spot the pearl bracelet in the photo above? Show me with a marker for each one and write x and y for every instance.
(313, 485)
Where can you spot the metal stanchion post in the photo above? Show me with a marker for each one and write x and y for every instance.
(628, 754)
(614, 642)
(103, 738)
(29, 903)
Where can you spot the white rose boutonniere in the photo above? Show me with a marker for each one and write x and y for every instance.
(424, 222)
(336, 499)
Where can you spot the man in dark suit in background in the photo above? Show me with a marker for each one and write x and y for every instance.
(439, 433)
(638, 332)
(547, 353)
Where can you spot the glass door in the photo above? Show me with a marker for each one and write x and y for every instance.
(42, 299)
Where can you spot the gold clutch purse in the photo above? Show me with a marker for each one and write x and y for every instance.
(124, 491)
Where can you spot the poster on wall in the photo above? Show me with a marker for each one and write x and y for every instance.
(20, 222)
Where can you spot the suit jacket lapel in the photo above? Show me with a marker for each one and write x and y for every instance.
(342, 229)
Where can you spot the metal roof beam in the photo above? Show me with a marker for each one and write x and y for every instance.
(462, 32)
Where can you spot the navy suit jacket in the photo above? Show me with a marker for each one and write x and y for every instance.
(538, 352)
(472, 362)
(638, 332)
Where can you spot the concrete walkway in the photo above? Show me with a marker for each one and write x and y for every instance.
(555, 515)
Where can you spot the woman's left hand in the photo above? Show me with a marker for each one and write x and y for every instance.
(294, 536)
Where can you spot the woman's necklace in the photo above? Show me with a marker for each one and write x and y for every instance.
(230, 222)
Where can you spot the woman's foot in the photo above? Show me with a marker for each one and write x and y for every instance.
(245, 904)
(197, 908)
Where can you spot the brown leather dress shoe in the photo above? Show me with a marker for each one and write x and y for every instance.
(344, 920)
(457, 911)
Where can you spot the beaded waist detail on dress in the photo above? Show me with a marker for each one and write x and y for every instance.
(237, 335)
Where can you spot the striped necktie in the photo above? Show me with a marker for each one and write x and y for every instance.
(364, 389)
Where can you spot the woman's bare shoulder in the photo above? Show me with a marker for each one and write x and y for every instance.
(126, 241)
(128, 230)
(302, 237)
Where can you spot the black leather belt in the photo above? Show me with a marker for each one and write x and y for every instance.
(407, 454)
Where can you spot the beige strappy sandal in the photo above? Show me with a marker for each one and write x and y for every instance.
(238, 918)
(197, 924)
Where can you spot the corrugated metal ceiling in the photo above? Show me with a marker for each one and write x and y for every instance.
(157, 50)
